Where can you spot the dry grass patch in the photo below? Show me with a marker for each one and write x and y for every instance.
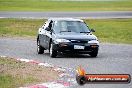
(14, 73)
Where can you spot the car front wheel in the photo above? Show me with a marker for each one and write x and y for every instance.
(53, 53)
(40, 49)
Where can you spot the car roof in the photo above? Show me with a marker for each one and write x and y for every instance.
(65, 19)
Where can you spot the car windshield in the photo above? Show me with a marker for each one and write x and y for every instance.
(70, 26)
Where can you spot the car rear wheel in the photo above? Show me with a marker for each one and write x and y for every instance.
(53, 53)
(40, 49)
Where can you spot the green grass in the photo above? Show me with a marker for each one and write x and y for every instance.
(8, 81)
(5, 79)
(45, 5)
(107, 30)
(113, 30)
(19, 27)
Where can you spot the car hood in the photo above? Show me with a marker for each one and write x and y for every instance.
(73, 35)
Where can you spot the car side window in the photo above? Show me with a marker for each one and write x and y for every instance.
(50, 24)
(46, 24)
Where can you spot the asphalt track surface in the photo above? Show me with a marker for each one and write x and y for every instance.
(89, 15)
(112, 58)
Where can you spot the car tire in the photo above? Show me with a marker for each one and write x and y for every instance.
(53, 53)
(40, 49)
(94, 53)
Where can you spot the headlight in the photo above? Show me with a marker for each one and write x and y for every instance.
(62, 40)
(93, 42)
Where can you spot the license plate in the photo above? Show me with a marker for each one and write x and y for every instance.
(78, 47)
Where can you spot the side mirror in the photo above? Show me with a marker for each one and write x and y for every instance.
(92, 30)
(47, 29)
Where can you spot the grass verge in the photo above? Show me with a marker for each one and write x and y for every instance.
(19, 27)
(14, 74)
(45, 5)
(112, 30)
(107, 30)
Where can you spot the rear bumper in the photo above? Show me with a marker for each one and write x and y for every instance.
(69, 47)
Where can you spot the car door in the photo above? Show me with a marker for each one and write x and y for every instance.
(48, 34)
(42, 35)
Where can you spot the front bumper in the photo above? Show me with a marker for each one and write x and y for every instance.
(69, 47)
